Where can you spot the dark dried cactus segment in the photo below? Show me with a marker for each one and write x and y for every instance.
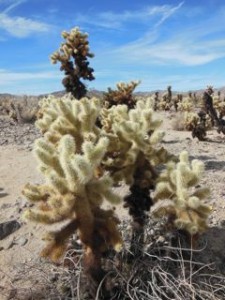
(138, 203)
(199, 129)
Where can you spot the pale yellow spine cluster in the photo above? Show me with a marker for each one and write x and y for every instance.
(190, 120)
(176, 195)
(66, 116)
(76, 43)
(216, 102)
(132, 133)
(186, 104)
(125, 87)
(163, 104)
(70, 177)
(221, 108)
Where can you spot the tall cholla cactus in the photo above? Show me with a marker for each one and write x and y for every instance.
(187, 104)
(73, 55)
(176, 196)
(69, 154)
(123, 94)
(133, 154)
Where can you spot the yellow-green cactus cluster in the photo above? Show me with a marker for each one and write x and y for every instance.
(163, 104)
(66, 116)
(186, 104)
(82, 161)
(176, 196)
(133, 136)
(44, 104)
(216, 101)
(221, 109)
(69, 154)
(190, 120)
(76, 43)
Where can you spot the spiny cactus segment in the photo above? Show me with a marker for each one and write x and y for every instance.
(123, 95)
(73, 56)
(176, 196)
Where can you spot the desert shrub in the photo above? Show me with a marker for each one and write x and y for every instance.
(21, 110)
(188, 120)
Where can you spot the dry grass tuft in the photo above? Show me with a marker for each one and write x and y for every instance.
(22, 110)
(178, 122)
(163, 272)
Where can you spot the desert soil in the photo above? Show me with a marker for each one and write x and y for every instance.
(18, 167)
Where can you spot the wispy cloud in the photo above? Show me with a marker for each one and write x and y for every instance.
(7, 77)
(191, 45)
(168, 11)
(113, 20)
(21, 27)
(175, 51)
(12, 4)
(16, 25)
(33, 83)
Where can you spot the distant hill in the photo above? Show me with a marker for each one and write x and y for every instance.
(97, 93)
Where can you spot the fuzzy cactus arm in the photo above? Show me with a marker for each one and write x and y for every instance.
(132, 132)
(70, 118)
(176, 196)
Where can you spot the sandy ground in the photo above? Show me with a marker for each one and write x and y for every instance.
(18, 167)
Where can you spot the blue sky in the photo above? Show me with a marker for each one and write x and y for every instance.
(178, 43)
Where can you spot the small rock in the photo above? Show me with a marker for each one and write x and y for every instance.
(8, 228)
(21, 241)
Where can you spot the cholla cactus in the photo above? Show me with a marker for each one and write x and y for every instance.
(217, 100)
(168, 95)
(190, 120)
(132, 156)
(164, 105)
(69, 154)
(73, 55)
(221, 109)
(186, 104)
(132, 133)
(176, 196)
(123, 94)
(131, 152)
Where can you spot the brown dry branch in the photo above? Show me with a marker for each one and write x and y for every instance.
(123, 95)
